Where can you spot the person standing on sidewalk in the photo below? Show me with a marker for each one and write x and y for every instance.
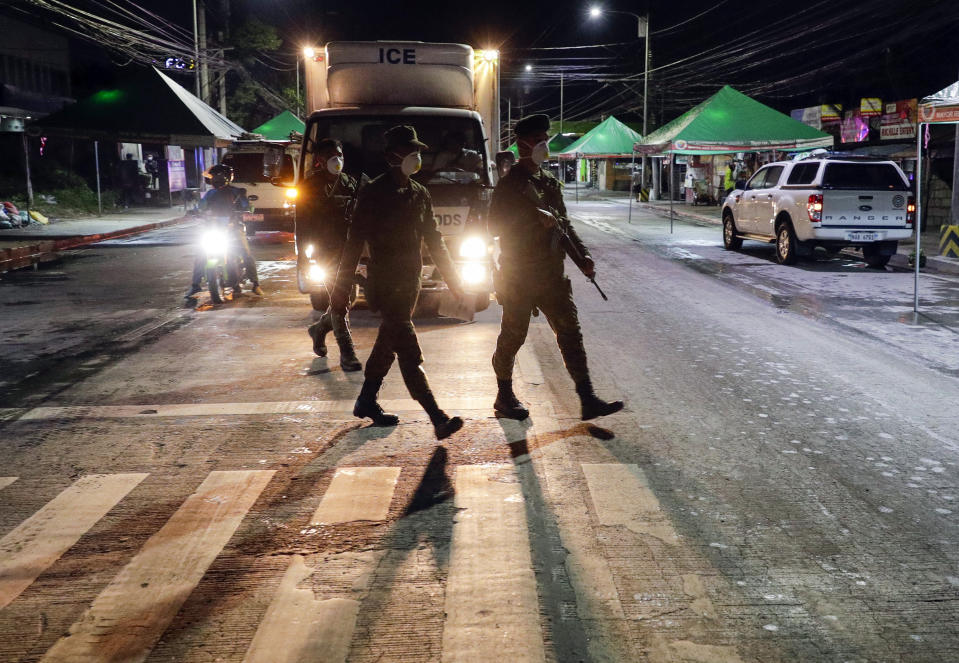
(323, 220)
(529, 216)
(394, 216)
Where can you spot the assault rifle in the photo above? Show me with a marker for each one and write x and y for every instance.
(564, 239)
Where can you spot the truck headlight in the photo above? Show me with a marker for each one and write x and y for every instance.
(214, 242)
(316, 273)
(308, 251)
(473, 247)
(473, 273)
(291, 193)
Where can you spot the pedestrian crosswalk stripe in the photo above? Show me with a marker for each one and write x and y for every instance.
(6, 481)
(621, 496)
(342, 407)
(492, 608)
(131, 613)
(299, 627)
(357, 493)
(41, 539)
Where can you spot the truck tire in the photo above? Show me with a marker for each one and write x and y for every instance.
(482, 301)
(320, 301)
(787, 246)
(731, 240)
(874, 258)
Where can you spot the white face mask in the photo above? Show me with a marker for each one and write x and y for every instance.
(334, 165)
(411, 164)
(540, 153)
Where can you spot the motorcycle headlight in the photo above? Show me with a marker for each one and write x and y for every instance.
(214, 242)
(308, 251)
(316, 273)
(473, 273)
(473, 247)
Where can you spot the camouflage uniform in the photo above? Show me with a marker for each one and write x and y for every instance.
(323, 219)
(393, 221)
(531, 274)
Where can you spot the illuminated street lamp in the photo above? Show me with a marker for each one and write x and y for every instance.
(642, 32)
(308, 52)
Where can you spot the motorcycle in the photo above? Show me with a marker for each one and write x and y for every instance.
(219, 243)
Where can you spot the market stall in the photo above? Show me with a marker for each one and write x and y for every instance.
(610, 146)
(281, 126)
(729, 122)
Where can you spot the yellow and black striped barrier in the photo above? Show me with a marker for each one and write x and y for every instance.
(949, 241)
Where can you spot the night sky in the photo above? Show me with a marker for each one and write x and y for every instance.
(786, 54)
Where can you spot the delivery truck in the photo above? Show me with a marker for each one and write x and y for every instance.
(449, 93)
(257, 163)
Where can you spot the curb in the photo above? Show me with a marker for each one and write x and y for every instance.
(44, 250)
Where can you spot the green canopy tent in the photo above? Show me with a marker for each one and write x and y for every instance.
(609, 139)
(281, 126)
(556, 144)
(729, 121)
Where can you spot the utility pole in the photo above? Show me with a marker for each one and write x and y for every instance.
(204, 68)
(225, 7)
(196, 54)
(954, 214)
(561, 102)
(644, 28)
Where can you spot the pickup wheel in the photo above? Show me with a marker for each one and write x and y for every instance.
(874, 258)
(786, 244)
(731, 240)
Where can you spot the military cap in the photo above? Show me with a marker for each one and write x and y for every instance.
(402, 135)
(532, 124)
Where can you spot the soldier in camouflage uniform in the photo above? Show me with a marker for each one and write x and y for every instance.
(323, 220)
(527, 213)
(393, 216)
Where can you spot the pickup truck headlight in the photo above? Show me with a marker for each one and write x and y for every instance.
(316, 273)
(473, 247)
(473, 273)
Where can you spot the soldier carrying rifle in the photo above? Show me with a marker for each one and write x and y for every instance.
(529, 216)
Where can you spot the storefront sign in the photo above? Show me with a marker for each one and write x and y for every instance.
(811, 116)
(870, 107)
(929, 113)
(831, 113)
(898, 120)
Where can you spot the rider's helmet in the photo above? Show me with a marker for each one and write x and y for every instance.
(220, 175)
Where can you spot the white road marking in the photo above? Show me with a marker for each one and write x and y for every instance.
(6, 481)
(41, 539)
(357, 493)
(132, 612)
(621, 496)
(300, 627)
(343, 407)
(491, 602)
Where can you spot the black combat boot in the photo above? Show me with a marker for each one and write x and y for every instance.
(367, 407)
(506, 404)
(443, 424)
(341, 331)
(318, 331)
(593, 406)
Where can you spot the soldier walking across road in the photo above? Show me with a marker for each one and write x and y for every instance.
(529, 216)
(323, 221)
(394, 216)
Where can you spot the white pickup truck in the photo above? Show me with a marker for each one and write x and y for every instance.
(822, 200)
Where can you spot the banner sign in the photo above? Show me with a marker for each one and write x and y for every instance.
(831, 112)
(870, 107)
(898, 120)
(929, 113)
(811, 116)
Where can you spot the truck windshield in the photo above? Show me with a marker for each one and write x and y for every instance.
(455, 154)
(248, 166)
(867, 176)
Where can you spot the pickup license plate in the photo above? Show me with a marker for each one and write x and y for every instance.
(863, 237)
(250, 216)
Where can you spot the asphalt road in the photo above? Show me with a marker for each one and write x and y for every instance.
(188, 484)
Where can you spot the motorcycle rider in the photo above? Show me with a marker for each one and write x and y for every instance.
(222, 201)
(323, 220)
